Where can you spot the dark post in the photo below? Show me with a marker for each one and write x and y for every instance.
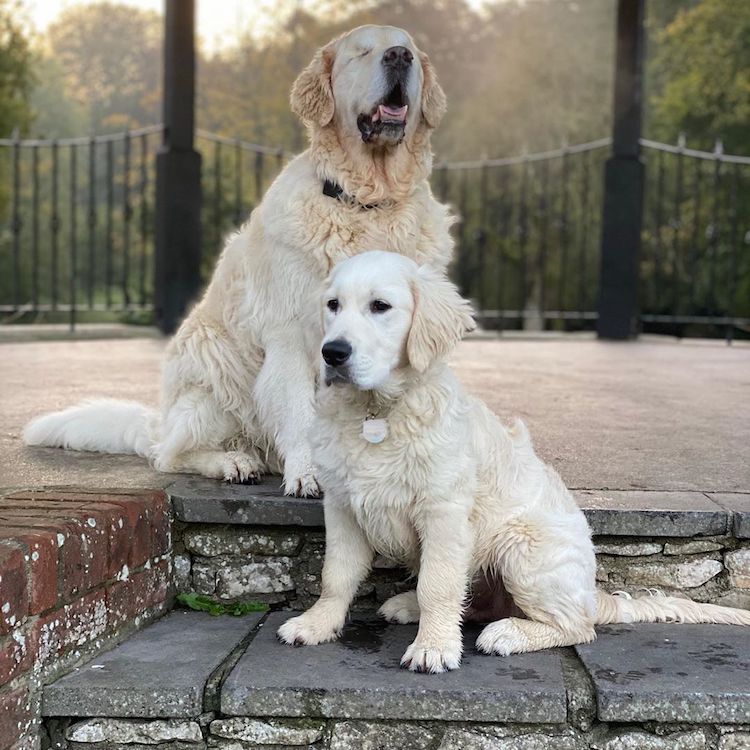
(178, 173)
(623, 184)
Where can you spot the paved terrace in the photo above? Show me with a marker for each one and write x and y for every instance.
(653, 415)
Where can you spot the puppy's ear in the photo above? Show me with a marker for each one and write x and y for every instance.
(312, 96)
(433, 96)
(441, 318)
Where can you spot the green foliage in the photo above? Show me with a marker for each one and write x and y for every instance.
(16, 77)
(702, 76)
(108, 56)
(205, 604)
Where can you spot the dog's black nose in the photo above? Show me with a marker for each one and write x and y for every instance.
(398, 58)
(336, 352)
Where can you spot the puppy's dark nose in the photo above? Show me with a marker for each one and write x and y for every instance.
(336, 352)
(398, 58)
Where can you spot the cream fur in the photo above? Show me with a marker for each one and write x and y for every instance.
(239, 376)
(451, 492)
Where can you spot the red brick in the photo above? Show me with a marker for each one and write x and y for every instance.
(41, 554)
(143, 590)
(15, 656)
(71, 626)
(161, 528)
(14, 591)
(138, 520)
(16, 717)
(8, 504)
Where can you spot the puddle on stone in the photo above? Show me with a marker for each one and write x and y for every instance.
(363, 636)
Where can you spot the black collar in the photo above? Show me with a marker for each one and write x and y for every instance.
(334, 190)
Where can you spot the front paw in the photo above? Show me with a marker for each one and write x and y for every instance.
(432, 657)
(307, 630)
(302, 486)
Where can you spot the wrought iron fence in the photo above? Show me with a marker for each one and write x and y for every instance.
(695, 256)
(235, 176)
(527, 241)
(77, 228)
(76, 223)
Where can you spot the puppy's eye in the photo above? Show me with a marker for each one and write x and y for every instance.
(333, 305)
(379, 306)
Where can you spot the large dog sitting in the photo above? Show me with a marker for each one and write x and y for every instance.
(417, 470)
(239, 376)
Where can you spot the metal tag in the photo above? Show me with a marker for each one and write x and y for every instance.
(374, 430)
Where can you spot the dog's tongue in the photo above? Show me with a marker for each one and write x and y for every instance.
(397, 114)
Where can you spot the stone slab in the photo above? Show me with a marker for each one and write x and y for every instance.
(738, 504)
(614, 513)
(201, 500)
(159, 672)
(359, 677)
(670, 673)
(639, 513)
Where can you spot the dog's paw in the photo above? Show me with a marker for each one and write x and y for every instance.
(306, 631)
(402, 608)
(502, 638)
(240, 467)
(303, 486)
(432, 657)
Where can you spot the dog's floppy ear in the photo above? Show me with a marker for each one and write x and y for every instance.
(312, 96)
(441, 318)
(433, 96)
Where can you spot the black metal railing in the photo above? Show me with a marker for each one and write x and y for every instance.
(76, 227)
(528, 237)
(695, 259)
(235, 175)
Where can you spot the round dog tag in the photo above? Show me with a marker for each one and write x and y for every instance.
(374, 430)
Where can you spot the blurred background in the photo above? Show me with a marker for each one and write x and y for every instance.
(520, 154)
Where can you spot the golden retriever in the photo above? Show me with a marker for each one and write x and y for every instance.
(239, 376)
(415, 469)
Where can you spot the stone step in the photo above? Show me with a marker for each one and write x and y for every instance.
(189, 663)
(609, 512)
(160, 672)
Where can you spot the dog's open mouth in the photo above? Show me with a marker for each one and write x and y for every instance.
(387, 119)
(337, 375)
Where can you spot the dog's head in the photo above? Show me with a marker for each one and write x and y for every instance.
(383, 315)
(372, 82)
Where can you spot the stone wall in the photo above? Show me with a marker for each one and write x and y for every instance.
(277, 565)
(282, 565)
(245, 733)
(78, 572)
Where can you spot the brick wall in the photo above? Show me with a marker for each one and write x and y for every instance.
(78, 571)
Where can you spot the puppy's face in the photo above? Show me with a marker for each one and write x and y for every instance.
(382, 314)
(368, 309)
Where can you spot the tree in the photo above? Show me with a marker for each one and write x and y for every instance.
(702, 76)
(110, 58)
(16, 78)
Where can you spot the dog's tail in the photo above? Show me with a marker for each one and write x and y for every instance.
(653, 606)
(103, 425)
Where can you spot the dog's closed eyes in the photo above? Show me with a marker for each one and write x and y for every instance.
(383, 314)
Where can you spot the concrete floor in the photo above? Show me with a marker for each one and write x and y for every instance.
(655, 414)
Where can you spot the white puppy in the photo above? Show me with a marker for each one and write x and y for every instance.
(417, 470)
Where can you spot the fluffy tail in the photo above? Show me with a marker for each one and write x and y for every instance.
(654, 606)
(103, 425)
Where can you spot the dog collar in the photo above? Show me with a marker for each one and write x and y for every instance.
(334, 190)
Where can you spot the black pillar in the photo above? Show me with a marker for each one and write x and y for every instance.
(178, 174)
(623, 183)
